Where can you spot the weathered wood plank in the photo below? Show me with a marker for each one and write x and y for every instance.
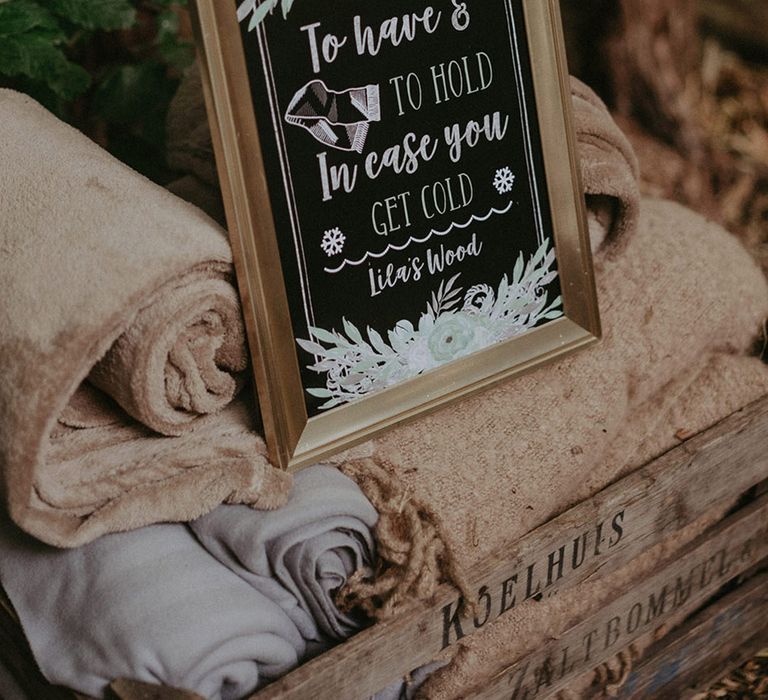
(714, 674)
(679, 588)
(125, 689)
(713, 641)
(608, 531)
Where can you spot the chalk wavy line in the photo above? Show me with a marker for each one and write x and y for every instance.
(472, 219)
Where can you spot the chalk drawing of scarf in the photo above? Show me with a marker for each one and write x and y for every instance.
(337, 119)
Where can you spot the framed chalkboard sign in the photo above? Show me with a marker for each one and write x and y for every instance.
(403, 200)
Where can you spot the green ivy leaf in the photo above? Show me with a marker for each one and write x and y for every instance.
(34, 55)
(175, 53)
(130, 93)
(96, 14)
(20, 16)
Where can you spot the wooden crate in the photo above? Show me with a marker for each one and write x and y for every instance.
(648, 506)
(720, 637)
(619, 523)
(680, 588)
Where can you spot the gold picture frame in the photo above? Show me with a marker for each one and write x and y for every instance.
(293, 437)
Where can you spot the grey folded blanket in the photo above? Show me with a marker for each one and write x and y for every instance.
(302, 554)
(150, 605)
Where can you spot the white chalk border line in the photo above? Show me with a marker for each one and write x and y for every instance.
(472, 219)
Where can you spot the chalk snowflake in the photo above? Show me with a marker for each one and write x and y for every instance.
(333, 242)
(504, 181)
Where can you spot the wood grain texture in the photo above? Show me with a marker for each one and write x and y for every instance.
(679, 588)
(654, 502)
(608, 531)
(703, 649)
(125, 689)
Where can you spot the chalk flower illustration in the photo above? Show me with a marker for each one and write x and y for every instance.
(453, 326)
(333, 242)
(504, 181)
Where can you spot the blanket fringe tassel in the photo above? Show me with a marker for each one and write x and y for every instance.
(413, 558)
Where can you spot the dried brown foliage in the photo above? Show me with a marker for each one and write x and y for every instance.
(749, 681)
(696, 112)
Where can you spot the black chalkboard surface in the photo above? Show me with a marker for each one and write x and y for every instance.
(408, 191)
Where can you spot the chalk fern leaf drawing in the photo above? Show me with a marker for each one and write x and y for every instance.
(259, 9)
(453, 326)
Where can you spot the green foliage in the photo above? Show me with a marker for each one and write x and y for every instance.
(32, 41)
(23, 16)
(110, 67)
(95, 14)
(38, 58)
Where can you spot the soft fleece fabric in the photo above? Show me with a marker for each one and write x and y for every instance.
(301, 555)
(154, 606)
(108, 276)
(150, 605)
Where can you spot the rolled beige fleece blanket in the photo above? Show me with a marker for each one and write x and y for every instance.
(609, 169)
(182, 357)
(107, 277)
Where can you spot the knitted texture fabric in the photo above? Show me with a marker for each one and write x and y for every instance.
(541, 443)
(492, 468)
(725, 385)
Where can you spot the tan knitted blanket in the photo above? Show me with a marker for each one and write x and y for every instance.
(722, 388)
(682, 303)
(683, 297)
